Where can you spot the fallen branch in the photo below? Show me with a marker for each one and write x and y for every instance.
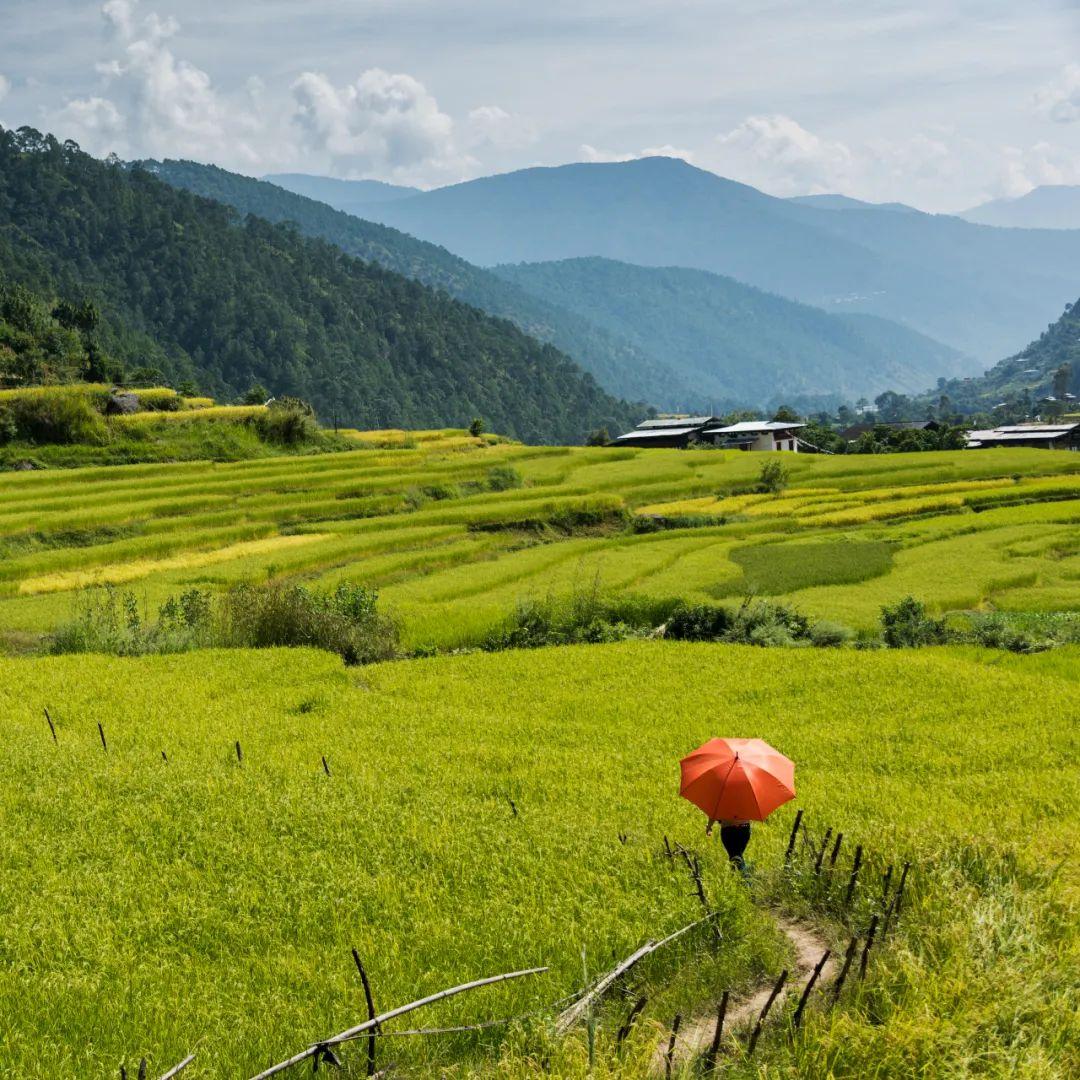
(178, 1068)
(355, 1032)
(569, 1017)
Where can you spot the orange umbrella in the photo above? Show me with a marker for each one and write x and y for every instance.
(737, 779)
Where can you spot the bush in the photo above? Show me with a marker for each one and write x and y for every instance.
(57, 416)
(827, 635)
(773, 477)
(287, 421)
(346, 621)
(762, 622)
(906, 625)
(698, 622)
(476, 428)
(503, 478)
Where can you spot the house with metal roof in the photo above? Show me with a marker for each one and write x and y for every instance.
(683, 431)
(1047, 436)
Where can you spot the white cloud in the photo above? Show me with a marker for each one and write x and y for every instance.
(595, 155)
(383, 124)
(157, 103)
(5, 87)
(796, 160)
(1060, 100)
(493, 126)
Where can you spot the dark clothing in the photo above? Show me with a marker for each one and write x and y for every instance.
(735, 838)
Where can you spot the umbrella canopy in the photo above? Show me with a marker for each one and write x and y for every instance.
(737, 779)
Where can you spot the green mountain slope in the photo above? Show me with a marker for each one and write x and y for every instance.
(1023, 380)
(619, 366)
(255, 302)
(736, 343)
(978, 289)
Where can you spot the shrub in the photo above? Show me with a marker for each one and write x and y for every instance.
(58, 416)
(476, 428)
(287, 421)
(906, 625)
(762, 622)
(503, 478)
(825, 634)
(773, 477)
(698, 622)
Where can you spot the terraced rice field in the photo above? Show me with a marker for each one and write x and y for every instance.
(429, 518)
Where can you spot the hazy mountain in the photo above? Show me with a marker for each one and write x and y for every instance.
(615, 362)
(734, 342)
(846, 202)
(237, 302)
(1053, 206)
(344, 195)
(975, 288)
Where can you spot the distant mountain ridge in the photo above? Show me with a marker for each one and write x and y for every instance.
(1052, 206)
(737, 344)
(975, 288)
(344, 195)
(237, 302)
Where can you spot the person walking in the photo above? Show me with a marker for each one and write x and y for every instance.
(734, 835)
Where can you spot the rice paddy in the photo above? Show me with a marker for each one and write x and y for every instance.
(419, 516)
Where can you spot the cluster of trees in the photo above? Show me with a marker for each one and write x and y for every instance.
(229, 303)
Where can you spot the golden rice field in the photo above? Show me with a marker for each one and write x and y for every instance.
(434, 519)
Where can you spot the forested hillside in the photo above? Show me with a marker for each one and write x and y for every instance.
(621, 367)
(253, 302)
(736, 343)
(1048, 368)
(975, 288)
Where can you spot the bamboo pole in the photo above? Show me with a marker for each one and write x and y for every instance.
(569, 1017)
(178, 1068)
(355, 1032)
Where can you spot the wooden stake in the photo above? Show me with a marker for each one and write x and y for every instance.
(142, 1069)
(756, 1034)
(856, 863)
(239, 753)
(513, 806)
(164, 757)
(373, 1023)
(867, 947)
(669, 1057)
(796, 1020)
(101, 732)
(667, 849)
(836, 849)
(325, 766)
(821, 853)
(371, 1012)
(52, 727)
(718, 1032)
(848, 957)
(178, 1068)
(635, 1012)
(791, 840)
(886, 882)
(900, 888)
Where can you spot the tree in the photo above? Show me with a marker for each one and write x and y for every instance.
(773, 477)
(1062, 378)
(599, 437)
(786, 415)
(257, 395)
(476, 428)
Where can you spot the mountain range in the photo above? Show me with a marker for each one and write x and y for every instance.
(708, 342)
(975, 288)
(230, 302)
(1052, 206)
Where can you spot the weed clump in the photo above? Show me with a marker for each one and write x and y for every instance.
(906, 625)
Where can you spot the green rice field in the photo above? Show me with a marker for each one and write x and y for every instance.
(489, 812)
(187, 863)
(456, 531)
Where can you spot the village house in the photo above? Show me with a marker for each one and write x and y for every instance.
(1047, 436)
(683, 431)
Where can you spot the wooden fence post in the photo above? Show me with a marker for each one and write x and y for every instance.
(848, 957)
(836, 849)
(791, 840)
(101, 732)
(718, 1031)
(239, 753)
(821, 853)
(867, 947)
(371, 1012)
(669, 1057)
(756, 1034)
(635, 1012)
(796, 1020)
(857, 862)
(52, 727)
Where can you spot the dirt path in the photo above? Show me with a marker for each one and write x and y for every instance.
(808, 946)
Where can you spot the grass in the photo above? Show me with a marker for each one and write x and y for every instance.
(124, 879)
(778, 569)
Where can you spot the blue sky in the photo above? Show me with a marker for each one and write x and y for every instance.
(939, 104)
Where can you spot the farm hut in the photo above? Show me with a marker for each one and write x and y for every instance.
(755, 435)
(857, 430)
(1047, 436)
(667, 431)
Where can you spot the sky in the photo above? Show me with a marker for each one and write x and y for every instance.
(940, 104)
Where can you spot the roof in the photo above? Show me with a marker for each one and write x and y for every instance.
(657, 433)
(745, 427)
(688, 422)
(1020, 432)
